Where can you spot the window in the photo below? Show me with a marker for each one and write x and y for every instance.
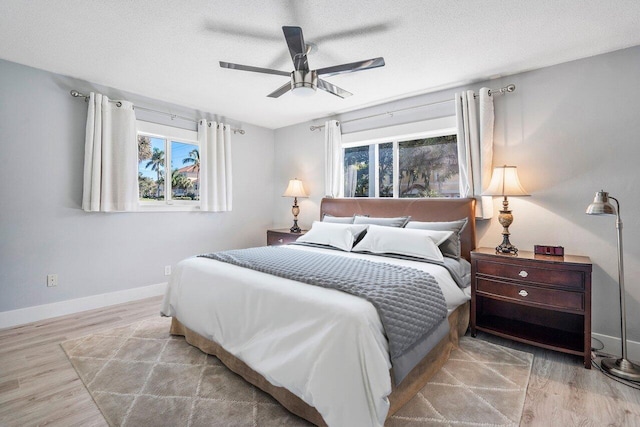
(417, 166)
(168, 167)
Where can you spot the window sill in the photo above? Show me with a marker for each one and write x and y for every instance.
(168, 208)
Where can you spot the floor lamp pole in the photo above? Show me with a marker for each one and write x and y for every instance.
(622, 367)
(623, 305)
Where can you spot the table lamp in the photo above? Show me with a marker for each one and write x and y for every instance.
(295, 190)
(505, 182)
(622, 367)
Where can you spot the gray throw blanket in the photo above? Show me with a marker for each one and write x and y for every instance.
(409, 301)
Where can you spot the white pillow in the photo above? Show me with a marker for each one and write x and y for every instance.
(452, 246)
(401, 241)
(337, 219)
(438, 236)
(400, 221)
(339, 236)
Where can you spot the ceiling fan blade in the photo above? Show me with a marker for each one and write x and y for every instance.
(281, 90)
(297, 48)
(353, 66)
(253, 69)
(333, 89)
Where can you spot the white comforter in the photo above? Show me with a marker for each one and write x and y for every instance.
(325, 346)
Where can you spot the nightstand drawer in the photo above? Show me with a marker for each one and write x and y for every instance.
(281, 237)
(561, 277)
(556, 298)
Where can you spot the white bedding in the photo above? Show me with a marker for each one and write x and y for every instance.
(325, 346)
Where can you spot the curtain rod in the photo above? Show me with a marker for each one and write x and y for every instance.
(77, 94)
(502, 90)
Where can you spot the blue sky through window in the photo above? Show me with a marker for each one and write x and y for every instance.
(179, 152)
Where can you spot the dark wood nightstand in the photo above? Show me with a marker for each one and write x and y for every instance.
(282, 236)
(536, 299)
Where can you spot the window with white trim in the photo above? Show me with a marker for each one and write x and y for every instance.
(168, 167)
(411, 166)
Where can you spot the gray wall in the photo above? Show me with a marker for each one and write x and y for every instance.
(571, 129)
(42, 228)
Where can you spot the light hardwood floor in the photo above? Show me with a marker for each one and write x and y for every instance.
(38, 385)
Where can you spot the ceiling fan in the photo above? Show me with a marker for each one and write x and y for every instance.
(303, 80)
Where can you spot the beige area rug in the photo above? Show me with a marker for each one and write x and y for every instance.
(139, 375)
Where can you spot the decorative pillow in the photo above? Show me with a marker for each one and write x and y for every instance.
(451, 246)
(340, 236)
(337, 219)
(400, 241)
(438, 237)
(400, 221)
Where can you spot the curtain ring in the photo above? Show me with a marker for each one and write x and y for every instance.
(218, 126)
(209, 124)
(118, 104)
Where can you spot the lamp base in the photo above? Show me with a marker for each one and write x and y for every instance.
(506, 219)
(295, 210)
(295, 228)
(621, 368)
(506, 247)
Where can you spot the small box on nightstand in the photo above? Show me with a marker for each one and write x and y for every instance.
(548, 250)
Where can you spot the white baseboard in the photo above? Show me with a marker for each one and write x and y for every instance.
(46, 311)
(612, 346)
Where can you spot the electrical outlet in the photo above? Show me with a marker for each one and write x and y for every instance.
(167, 270)
(52, 280)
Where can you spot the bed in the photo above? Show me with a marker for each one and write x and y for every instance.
(284, 342)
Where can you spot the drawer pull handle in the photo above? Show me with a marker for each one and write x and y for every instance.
(280, 240)
(523, 293)
(523, 274)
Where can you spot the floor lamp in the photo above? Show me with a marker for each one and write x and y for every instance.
(622, 367)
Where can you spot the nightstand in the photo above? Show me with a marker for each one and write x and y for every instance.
(282, 236)
(540, 300)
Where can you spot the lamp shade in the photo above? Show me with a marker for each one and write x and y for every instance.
(505, 182)
(295, 189)
(601, 205)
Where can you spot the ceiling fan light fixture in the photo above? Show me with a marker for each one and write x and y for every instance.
(304, 83)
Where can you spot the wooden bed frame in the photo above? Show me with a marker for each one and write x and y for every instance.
(419, 210)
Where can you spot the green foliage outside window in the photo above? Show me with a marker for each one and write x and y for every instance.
(428, 167)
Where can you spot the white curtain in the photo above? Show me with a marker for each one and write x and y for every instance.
(334, 169)
(475, 147)
(215, 166)
(110, 156)
(351, 181)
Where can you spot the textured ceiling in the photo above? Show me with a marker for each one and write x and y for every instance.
(169, 49)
